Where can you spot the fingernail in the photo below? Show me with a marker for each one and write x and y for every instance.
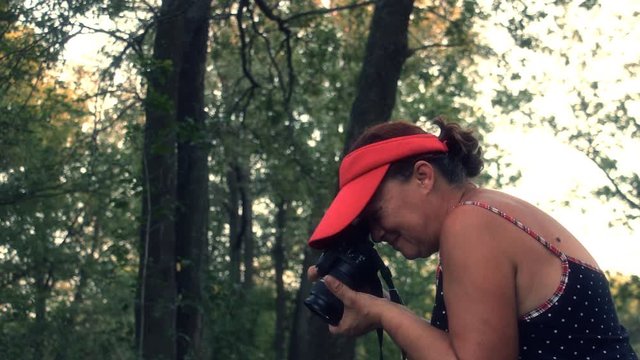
(329, 280)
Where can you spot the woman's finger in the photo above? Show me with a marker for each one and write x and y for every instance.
(340, 290)
(312, 273)
(334, 330)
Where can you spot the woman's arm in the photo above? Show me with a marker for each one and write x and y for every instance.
(364, 312)
(479, 285)
(480, 296)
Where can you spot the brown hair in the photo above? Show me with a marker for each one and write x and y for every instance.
(461, 162)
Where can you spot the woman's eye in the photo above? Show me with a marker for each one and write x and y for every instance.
(377, 234)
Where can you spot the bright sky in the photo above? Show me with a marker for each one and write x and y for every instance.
(555, 173)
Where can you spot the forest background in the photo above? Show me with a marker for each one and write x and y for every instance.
(156, 198)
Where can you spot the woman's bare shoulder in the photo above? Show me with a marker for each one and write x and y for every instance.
(478, 229)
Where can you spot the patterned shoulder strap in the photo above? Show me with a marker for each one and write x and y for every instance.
(564, 259)
(520, 225)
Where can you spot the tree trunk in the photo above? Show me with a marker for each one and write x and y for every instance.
(70, 319)
(279, 258)
(156, 310)
(310, 338)
(38, 332)
(241, 242)
(247, 226)
(385, 54)
(235, 241)
(192, 211)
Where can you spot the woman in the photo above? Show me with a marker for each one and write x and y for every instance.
(506, 288)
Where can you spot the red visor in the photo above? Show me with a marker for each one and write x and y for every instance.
(361, 171)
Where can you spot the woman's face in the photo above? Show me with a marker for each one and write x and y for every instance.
(398, 216)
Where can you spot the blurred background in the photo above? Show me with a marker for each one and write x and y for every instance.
(163, 162)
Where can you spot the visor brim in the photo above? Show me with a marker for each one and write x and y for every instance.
(346, 206)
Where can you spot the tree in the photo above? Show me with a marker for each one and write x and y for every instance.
(60, 180)
(193, 177)
(626, 294)
(175, 194)
(156, 317)
(384, 56)
(245, 105)
(595, 119)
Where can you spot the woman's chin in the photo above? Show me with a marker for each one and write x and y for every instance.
(408, 254)
(413, 253)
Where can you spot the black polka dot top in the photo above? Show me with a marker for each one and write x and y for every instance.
(578, 321)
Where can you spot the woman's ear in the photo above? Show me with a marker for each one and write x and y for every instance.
(424, 173)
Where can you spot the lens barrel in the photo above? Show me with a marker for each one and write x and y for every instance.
(351, 268)
(323, 303)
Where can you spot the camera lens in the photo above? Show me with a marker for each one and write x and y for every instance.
(322, 301)
(351, 260)
(324, 304)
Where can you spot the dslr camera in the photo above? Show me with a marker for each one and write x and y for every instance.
(352, 259)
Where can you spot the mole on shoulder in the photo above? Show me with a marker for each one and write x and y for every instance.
(558, 239)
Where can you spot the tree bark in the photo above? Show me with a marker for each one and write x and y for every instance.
(241, 242)
(38, 331)
(309, 336)
(156, 310)
(70, 320)
(279, 258)
(385, 54)
(248, 242)
(235, 241)
(192, 212)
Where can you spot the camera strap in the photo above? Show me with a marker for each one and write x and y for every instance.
(393, 296)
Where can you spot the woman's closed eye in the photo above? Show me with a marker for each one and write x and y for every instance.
(390, 237)
(377, 234)
(381, 235)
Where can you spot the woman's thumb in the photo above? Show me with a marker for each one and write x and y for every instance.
(336, 287)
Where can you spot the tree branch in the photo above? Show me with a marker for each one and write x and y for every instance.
(283, 27)
(413, 51)
(272, 58)
(243, 45)
(594, 156)
(327, 11)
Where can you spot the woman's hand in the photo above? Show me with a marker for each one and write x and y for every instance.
(312, 273)
(362, 311)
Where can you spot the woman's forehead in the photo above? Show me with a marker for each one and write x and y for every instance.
(380, 197)
(373, 208)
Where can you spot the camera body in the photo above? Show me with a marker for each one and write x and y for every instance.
(351, 259)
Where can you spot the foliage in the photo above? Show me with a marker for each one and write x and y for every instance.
(594, 107)
(65, 201)
(626, 295)
(416, 284)
(279, 90)
(251, 102)
(65, 235)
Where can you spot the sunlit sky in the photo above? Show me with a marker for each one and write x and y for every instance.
(556, 172)
(552, 171)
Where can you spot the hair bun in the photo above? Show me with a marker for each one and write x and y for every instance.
(464, 148)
